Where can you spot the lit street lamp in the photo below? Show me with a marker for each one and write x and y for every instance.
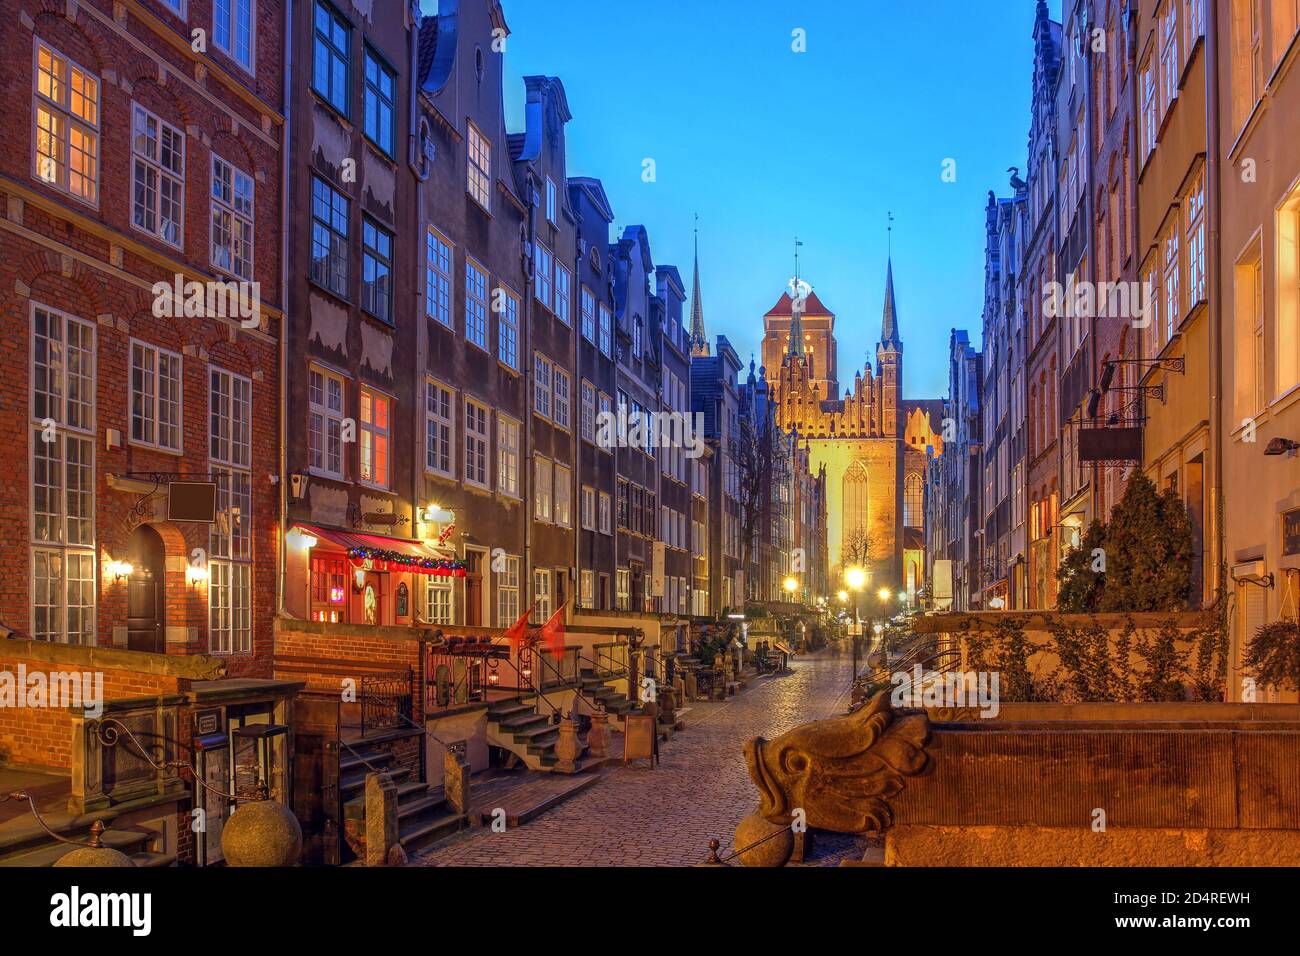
(856, 578)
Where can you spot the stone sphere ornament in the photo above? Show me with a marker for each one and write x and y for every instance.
(776, 846)
(261, 833)
(95, 854)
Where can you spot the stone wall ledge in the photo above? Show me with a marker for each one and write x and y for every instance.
(91, 657)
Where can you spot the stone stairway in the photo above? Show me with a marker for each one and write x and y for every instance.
(43, 850)
(423, 815)
(615, 703)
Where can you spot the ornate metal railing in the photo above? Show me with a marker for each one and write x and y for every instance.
(386, 700)
(105, 775)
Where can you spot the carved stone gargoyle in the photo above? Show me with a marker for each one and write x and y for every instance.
(840, 771)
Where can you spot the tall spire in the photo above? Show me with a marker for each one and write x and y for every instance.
(889, 325)
(699, 344)
(798, 294)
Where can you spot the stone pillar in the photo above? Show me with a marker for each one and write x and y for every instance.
(568, 748)
(381, 818)
(598, 735)
(455, 778)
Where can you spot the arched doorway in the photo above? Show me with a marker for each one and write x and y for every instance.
(146, 592)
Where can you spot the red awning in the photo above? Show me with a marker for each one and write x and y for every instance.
(380, 552)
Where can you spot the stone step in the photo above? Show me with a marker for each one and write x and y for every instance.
(355, 780)
(523, 721)
(351, 761)
(505, 709)
(416, 833)
(124, 841)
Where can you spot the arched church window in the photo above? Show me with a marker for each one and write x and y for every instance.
(856, 514)
(913, 502)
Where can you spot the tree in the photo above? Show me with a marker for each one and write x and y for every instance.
(1082, 575)
(1146, 551)
(855, 549)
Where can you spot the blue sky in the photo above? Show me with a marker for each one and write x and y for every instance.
(766, 144)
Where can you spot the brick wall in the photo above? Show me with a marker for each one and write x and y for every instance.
(88, 260)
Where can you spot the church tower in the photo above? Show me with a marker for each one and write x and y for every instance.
(699, 342)
(889, 364)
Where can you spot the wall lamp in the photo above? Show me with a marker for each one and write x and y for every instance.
(1282, 446)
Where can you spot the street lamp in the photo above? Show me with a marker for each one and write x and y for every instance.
(790, 585)
(856, 578)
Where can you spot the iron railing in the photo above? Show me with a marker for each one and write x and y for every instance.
(386, 700)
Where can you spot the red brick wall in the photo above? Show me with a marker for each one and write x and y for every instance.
(42, 230)
(325, 658)
(42, 736)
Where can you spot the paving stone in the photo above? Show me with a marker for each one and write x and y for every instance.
(637, 816)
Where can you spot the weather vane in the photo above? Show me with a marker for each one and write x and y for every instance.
(889, 233)
(799, 289)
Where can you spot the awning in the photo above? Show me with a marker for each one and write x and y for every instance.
(379, 552)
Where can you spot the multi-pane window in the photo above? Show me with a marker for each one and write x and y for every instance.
(542, 480)
(606, 331)
(476, 304)
(230, 547)
(374, 435)
(1170, 65)
(543, 269)
(437, 277)
(587, 504)
(636, 339)
(329, 588)
(560, 403)
(550, 201)
(440, 429)
(476, 443)
(437, 599)
(508, 330)
(587, 588)
(230, 414)
(1196, 241)
(1173, 299)
(623, 589)
(380, 98)
(155, 397)
(232, 30)
(542, 386)
(605, 406)
(604, 514)
(508, 456)
(377, 270)
(331, 58)
(63, 478)
(1150, 119)
(66, 117)
(508, 593)
(479, 167)
(325, 423)
(330, 211)
(563, 294)
(587, 312)
(542, 594)
(232, 219)
(157, 176)
(588, 412)
(563, 496)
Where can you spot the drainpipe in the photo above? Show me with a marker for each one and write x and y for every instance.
(526, 357)
(285, 192)
(421, 167)
(1215, 539)
(576, 445)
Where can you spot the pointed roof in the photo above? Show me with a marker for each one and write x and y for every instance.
(811, 306)
(796, 332)
(699, 343)
(889, 323)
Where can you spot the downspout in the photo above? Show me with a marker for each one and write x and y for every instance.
(576, 454)
(282, 548)
(1213, 255)
(530, 271)
(421, 167)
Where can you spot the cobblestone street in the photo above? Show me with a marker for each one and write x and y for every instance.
(636, 816)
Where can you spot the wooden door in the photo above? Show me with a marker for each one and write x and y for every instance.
(474, 589)
(316, 777)
(145, 592)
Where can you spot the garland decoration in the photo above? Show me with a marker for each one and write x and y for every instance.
(441, 567)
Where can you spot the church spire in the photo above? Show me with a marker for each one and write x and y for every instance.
(889, 324)
(699, 344)
(798, 296)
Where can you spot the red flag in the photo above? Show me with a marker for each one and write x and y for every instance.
(553, 632)
(516, 631)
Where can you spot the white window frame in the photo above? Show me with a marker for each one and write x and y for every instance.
(542, 374)
(606, 331)
(508, 330)
(56, 543)
(476, 304)
(562, 496)
(551, 203)
(587, 314)
(478, 166)
(478, 444)
(146, 160)
(230, 538)
(508, 450)
(152, 414)
(508, 592)
(605, 513)
(587, 412)
(543, 481)
(561, 398)
(232, 218)
(439, 600)
(544, 274)
(231, 49)
(326, 415)
(543, 594)
(439, 287)
(587, 508)
(62, 111)
(439, 428)
(563, 293)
